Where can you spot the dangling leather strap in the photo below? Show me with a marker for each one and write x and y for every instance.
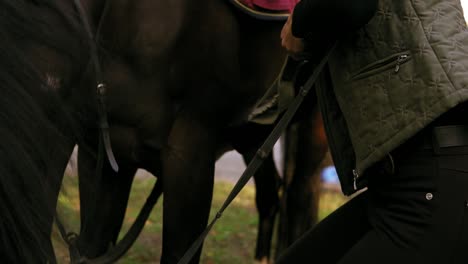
(116, 252)
(100, 87)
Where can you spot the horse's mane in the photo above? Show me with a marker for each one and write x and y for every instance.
(26, 128)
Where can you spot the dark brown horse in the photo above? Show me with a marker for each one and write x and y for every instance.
(182, 75)
(178, 79)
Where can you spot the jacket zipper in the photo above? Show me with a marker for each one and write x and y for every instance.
(325, 114)
(355, 178)
(402, 58)
(394, 61)
(331, 141)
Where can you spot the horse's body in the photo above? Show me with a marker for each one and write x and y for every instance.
(180, 74)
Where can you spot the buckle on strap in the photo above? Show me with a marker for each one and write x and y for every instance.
(450, 136)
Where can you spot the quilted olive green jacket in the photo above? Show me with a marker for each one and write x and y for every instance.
(391, 78)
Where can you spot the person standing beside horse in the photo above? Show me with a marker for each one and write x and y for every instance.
(393, 99)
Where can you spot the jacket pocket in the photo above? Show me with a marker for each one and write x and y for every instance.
(394, 62)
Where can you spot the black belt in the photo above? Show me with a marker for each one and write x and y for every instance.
(439, 140)
(450, 136)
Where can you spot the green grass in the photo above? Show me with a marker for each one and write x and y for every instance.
(231, 241)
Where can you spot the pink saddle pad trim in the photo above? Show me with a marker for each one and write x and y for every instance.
(276, 5)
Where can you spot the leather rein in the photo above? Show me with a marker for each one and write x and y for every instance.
(100, 84)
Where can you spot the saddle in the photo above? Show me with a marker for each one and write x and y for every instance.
(279, 96)
(266, 9)
(282, 91)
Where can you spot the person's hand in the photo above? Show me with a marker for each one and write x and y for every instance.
(293, 45)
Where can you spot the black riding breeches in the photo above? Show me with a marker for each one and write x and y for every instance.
(414, 211)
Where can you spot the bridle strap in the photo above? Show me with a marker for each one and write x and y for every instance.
(132, 234)
(100, 85)
(116, 252)
(261, 154)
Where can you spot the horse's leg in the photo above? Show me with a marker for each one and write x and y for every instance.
(267, 183)
(302, 190)
(59, 157)
(188, 173)
(103, 201)
(246, 140)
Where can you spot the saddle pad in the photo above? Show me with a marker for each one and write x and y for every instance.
(274, 5)
(266, 9)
